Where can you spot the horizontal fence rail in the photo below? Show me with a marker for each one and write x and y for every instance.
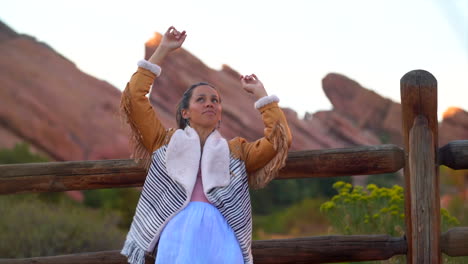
(84, 175)
(454, 155)
(70, 175)
(363, 160)
(319, 249)
(454, 242)
(286, 251)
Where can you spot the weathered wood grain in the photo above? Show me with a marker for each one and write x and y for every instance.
(299, 250)
(328, 249)
(454, 155)
(83, 175)
(425, 203)
(70, 175)
(454, 242)
(288, 251)
(104, 257)
(363, 160)
(419, 98)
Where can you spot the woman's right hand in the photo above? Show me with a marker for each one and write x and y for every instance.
(173, 39)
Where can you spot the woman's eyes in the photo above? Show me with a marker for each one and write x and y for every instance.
(201, 99)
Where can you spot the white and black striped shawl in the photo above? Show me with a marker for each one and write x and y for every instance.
(169, 184)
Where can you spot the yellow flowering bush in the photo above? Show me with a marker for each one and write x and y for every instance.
(373, 210)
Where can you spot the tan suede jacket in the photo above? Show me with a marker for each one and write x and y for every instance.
(263, 157)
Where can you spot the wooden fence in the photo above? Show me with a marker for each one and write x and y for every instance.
(422, 243)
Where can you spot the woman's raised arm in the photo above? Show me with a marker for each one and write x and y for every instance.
(267, 155)
(148, 133)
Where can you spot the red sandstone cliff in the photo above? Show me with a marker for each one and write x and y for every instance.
(453, 126)
(68, 115)
(369, 111)
(49, 103)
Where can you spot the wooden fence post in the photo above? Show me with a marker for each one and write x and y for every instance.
(422, 202)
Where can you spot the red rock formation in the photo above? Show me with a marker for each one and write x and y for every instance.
(454, 126)
(370, 111)
(366, 108)
(345, 131)
(49, 103)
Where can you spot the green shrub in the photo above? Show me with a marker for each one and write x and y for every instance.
(300, 219)
(122, 201)
(19, 154)
(49, 224)
(30, 227)
(355, 211)
(279, 195)
(372, 211)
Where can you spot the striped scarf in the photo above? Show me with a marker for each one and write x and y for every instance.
(169, 184)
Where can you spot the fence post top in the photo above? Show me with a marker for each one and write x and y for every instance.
(418, 90)
(418, 78)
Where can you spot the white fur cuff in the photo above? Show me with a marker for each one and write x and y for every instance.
(150, 66)
(266, 100)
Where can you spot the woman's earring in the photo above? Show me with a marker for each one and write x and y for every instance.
(187, 122)
(219, 124)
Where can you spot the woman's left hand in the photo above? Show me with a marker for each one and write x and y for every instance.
(253, 85)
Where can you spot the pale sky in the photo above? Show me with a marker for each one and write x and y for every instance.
(290, 45)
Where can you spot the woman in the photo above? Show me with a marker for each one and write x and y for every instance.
(195, 203)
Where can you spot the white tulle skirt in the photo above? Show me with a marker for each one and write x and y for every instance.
(198, 234)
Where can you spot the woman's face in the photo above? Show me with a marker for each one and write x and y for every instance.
(204, 108)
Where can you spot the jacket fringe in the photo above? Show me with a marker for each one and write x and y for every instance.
(138, 151)
(263, 176)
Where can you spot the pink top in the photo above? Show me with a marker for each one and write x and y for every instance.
(198, 194)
